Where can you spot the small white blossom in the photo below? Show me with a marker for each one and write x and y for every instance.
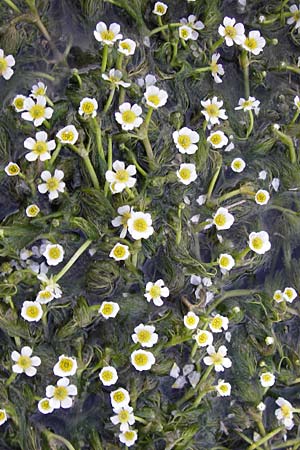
(24, 362)
(186, 173)
(36, 112)
(254, 42)
(106, 35)
(259, 242)
(121, 178)
(108, 376)
(145, 335)
(40, 147)
(54, 254)
(155, 97)
(213, 110)
(65, 367)
(109, 309)
(232, 32)
(154, 292)
(142, 360)
(217, 358)
(6, 64)
(61, 395)
(88, 107)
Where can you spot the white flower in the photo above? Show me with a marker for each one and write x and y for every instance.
(186, 33)
(61, 395)
(128, 437)
(87, 108)
(155, 97)
(6, 64)
(160, 9)
(54, 253)
(18, 103)
(223, 389)
(238, 165)
(45, 296)
(51, 285)
(226, 261)
(192, 23)
(122, 178)
(212, 110)
(278, 296)
(297, 102)
(203, 338)
(275, 184)
(119, 398)
(142, 360)
(217, 358)
(289, 294)
(122, 219)
(3, 416)
(44, 406)
(40, 147)
(295, 17)
(254, 43)
(284, 414)
(53, 183)
(269, 340)
(259, 242)
(248, 105)
(262, 197)
(216, 69)
(115, 78)
(127, 47)
(186, 173)
(36, 112)
(185, 140)
(145, 335)
(262, 175)
(107, 35)
(232, 32)
(12, 169)
(124, 416)
(218, 139)
(201, 200)
(108, 376)
(31, 311)
(32, 210)
(267, 379)
(68, 135)
(218, 323)
(38, 89)
(191, 320)
(223, 219)
(65, 367)
(261, 407)
(24, 362)
(140, 225)
(154, 291)
(109, 309)
(128, 116)
(120, 252)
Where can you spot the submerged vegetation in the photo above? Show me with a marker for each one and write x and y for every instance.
(149, 236)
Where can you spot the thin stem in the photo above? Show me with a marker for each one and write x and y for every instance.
(213, 181)
(163, 31)
(49, 435)
(230, 294)
(91, 170)
(98, 135)
(104, 58)
(164, 27)
(244, 61)
(295, 117)
(242, 254)
(55, 154)
(110, 99)
(179, 227)
(74, 258)
(109, 163)
(251, 123)
(11, 4)
(240, 191)
(149, 151)
(78, 77)
(288, 142)
(202, 69)
(217, 44)
(265, 438)
(119, 62)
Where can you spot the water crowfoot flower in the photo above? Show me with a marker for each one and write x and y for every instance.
(267, 379)
(44, 297)
(203, 338)
(160, 9)
(108, 376)
(68, 135)
(120, 252)
(186, 173)
(218, 139)
(87, 108)
(109, 309)
(284, 413)
(44, 406)
(127, 47)
(289, 294)
(18, 103)
(223, 389)
(259, 242)
(6, 64)
(190, 25)
(262, 197)
(120, 178)
(128, 437)
(115, 78)
(226, 261)
(24, 362)
(185, 140)
(128, 116)
(38, 89)
(254, 42)
(154, 292)
(36, 112)
(50, 285)
(12, 169)
(122, 219)
(140, 225)
(119, 398)
(213, 110)
(155, 97)
(217, 70)
(238, 165)
(145, 335)
(40, 147)
(54, 254)
(3, 416)
(32, 210)
(124, 416)
(106, 35)
(53, 183)
(191, 320)
(65, 367)
(217, 358)
(218, 323)
(142, 360)
(61, 395)
(232, 32)
(248, 105)
(223, 220)
(295, 16)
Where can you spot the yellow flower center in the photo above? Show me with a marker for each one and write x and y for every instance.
(60, 393)
(224, 261)
(13, 169)
(40, 91)
(123, 416)
(230, 31)
(129, 435)
(216, 139)
(125, 218)
(107, 35)
(261, 197)
(122, 176)
(184, 33)
(286, 411)
(216, 323)
(190, 320)
(214, 67)
(289, 293)
(107, 309)
(54, 253)
(155, 291)
(223, 388)
(144, 336)
(67, 136)
(277, 296)
(185, 174)
(257, 243)
(267, 377)
(140, 359)
(202, 338)
(2, 415)
(154, 99)
(19, 103)
(125, 45)
(140, 225)
(52, 184)
(88, 107)
(45, 404)
(119, 396)
(247, 103)
(212, 110)
(184, 141)
(24, 362)
(119, 251)
(37, 111)
(40, 147)
(107, 375)
(33, 210)
(160, 9)
(216, 358)
(33, 312)
(251, 43)
(296, 15)
(220, 220)
(45, 295)
(3, 65)
(66, 364)
(128, 116)
(237, 165)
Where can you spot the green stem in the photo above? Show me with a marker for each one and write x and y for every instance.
(163, 31)
(109, 163)
(92, 172)
(55, 154)
(217, 44)
(49, 435)
(119, 62)
(230, 294)
(43, 75)
(288, 142)
(265, 438)
(29, 182)
(244, 61)
(242, 254)
(295, 117)
(11, 4)
(164, 27)
(76, 75)
(286, 444)
(179, 226)
(11, 379)
(104, 58)
(98, 135)
(213, 181)
(50, 102)
(174, 53)
(74, 258)
(137, 248)
(110, 99)
(251, 123)
(201, 70)
(242, 190)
